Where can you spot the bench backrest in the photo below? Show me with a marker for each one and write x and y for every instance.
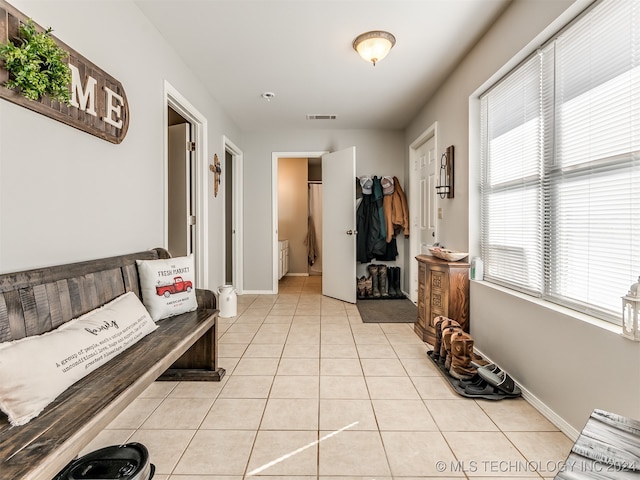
(37, 301)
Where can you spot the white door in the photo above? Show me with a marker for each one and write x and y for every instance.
(424, 219)
(339, 224)
(180, 201)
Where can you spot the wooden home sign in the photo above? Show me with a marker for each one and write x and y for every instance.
(98, 101)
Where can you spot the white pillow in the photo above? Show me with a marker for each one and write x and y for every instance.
(168, 286)
(35, 370)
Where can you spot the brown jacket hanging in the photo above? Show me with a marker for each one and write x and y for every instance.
(400, 210)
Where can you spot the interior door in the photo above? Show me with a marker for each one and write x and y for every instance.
(428, 199)
(425, 209)
(180, 201)
(339, 224)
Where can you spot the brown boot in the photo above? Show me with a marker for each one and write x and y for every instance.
(437, 324)
(446, 323)
(461, 356)
(447, 333)
(368, 289)
(361, 282)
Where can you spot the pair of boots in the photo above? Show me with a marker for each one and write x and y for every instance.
(385, 281)
(376, 285)
(454, 349)
(393, 277)
(379, 284)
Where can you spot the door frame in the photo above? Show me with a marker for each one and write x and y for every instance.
(174, 99)
(274, 204)
(414, 200)
(236, 212)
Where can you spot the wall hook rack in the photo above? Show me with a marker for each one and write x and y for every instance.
(445, 177)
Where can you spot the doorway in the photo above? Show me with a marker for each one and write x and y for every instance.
(299, 217)
(232, 174)
(181, 186)
(187, 195)
(299, 169)
(338, 221)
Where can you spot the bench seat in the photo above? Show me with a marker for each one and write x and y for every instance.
(183, 347)
(44, 446)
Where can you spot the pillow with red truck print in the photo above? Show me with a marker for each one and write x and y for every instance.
(168, 286)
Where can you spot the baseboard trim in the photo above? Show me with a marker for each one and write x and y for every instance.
(549, 414)
(258, 292)
(544, 409)
(296, 275)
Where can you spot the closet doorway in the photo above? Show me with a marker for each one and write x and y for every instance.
(338, 238)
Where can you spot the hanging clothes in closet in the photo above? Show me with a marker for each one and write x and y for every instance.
(381, 215)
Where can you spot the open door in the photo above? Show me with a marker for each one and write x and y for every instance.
(339, 224)
(180, 213)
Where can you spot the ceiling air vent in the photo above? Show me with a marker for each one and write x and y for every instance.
(321, 117)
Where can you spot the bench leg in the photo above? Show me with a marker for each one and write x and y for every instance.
(199, 363)
(192, 375)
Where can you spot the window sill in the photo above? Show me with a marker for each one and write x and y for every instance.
(582, 317)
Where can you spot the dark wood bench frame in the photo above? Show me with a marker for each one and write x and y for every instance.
(183, 347)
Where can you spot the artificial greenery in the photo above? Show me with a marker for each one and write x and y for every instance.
(37, 65)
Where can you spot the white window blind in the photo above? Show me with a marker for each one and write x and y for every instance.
(512, 180)
(560, 186)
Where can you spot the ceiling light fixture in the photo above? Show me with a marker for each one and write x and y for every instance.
(268, 96)
(374, 46)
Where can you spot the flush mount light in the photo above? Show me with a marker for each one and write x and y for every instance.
(374, 46)
(268, 96)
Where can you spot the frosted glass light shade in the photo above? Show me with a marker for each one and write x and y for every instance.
(374, 46)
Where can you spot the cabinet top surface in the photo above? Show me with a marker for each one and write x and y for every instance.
(438, 261)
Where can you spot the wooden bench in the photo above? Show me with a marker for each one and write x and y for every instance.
(33, 302)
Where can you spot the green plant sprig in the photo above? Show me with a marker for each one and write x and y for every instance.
(37, 65)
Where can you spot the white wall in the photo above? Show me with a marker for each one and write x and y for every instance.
(377, 152)
(567, 366)
(68, 196)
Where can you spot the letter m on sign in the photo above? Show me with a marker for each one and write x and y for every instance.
(87, 96)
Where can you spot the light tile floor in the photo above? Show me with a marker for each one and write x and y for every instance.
(313, 393)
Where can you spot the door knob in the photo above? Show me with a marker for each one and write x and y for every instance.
(352, 232)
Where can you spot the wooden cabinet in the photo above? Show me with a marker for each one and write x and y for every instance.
(443, 289)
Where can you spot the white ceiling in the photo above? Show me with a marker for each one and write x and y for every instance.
(301, 50)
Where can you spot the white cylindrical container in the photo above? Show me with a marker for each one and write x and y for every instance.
(477, 269)
(227, 301)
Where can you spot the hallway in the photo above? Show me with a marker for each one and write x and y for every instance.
(313, 393)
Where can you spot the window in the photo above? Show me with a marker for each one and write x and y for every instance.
(560, 174)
